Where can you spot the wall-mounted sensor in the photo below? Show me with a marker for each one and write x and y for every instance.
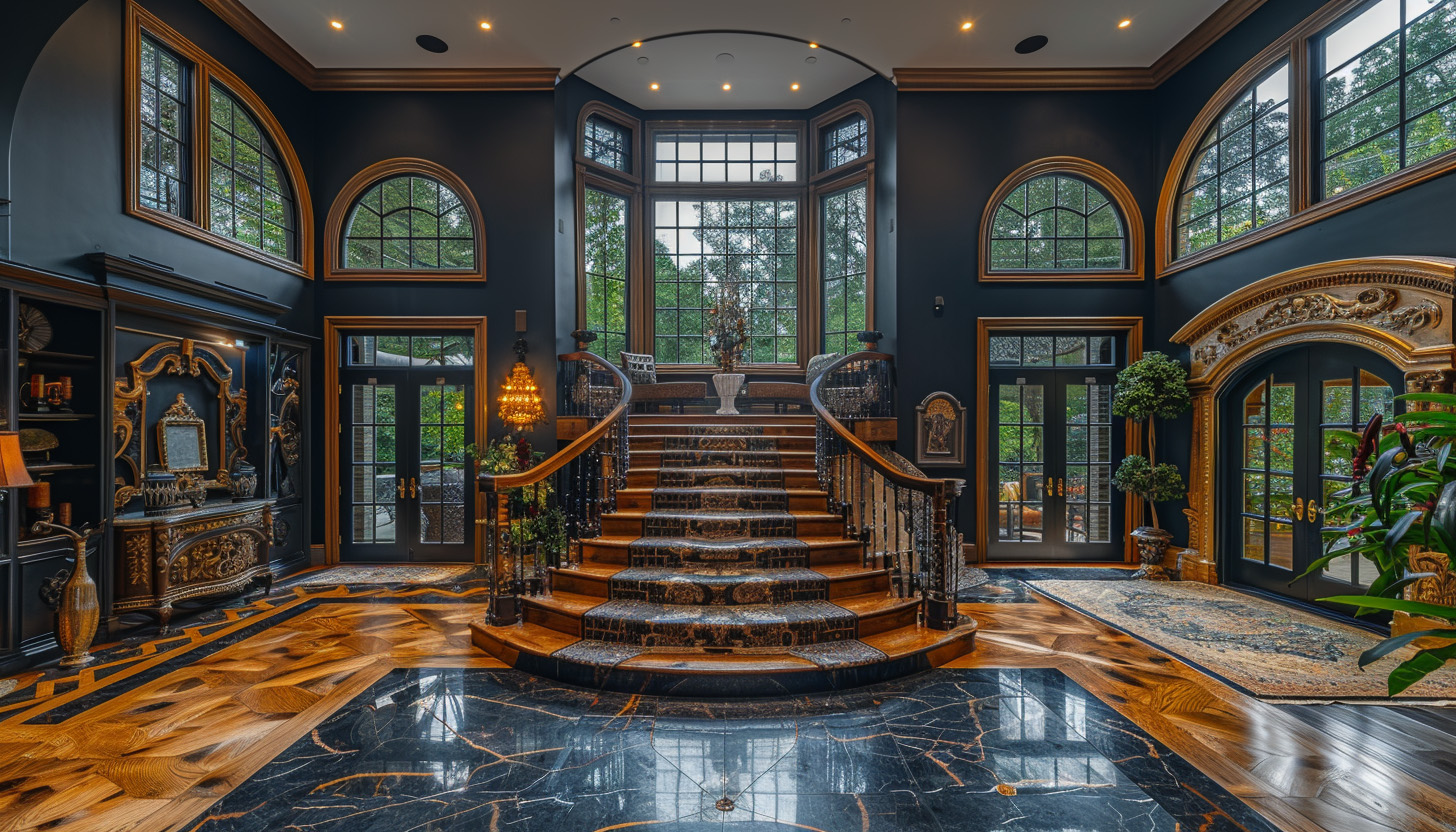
(939, 304)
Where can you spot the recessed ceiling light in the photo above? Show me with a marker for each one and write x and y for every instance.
(1126, 22)
(794, 87)
(485, 24)
(1031, 44)
(642, 59)
(637, 44)
(654, 86)
(813, 45)
(811, 59)
(337, 24)
(727, 87)
(966, 27)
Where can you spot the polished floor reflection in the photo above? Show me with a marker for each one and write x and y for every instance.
(457, 749)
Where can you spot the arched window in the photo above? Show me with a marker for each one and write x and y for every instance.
(206, 158)
(250, 197)
(1238, 180)
(405, 219)
(1061, 219)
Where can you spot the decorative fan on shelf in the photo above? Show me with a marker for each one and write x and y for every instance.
(35, 329)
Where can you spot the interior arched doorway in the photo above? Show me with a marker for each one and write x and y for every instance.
(1389, 317)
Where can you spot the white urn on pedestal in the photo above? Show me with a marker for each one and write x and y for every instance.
(727, 385)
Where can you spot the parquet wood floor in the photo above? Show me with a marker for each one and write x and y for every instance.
(157, 753)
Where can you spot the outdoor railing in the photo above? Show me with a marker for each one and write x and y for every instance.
(535, 520)
(906, 521)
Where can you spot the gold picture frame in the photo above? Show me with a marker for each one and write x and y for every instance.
(182, 438)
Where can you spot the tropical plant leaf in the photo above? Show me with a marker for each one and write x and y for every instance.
(1427, 417)
(1393, 644)
(1438, 398)
(1398, 530)
(1418, 667)
(1395, 605)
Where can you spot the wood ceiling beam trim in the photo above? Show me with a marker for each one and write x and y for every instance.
(269, 42)
(503, 79)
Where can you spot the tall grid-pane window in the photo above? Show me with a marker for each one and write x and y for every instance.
(844, 259)
(607, 143)
(1058, 222)
(162, 99)
(1238, 179)
(699, 246)
(250, 199)
(604, 260)
(1387, 91)
(410, 222)
(844, 141)
(738, 157)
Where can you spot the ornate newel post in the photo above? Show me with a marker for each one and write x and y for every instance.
(584, 339)
(939, 591)
(78, 609)
(869, 339)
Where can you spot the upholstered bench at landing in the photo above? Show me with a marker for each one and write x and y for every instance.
(781, 394)
(648, 392)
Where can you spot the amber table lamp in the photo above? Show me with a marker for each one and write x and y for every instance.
(12, 462)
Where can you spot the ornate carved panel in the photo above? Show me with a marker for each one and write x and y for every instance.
(1399, 307)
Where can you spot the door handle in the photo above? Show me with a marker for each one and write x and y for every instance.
(412, 488)
(400, 480)
(1298, 508)
(1061, 487)
(1313, 509)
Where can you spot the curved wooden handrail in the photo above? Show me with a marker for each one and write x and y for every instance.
(558, 460)
(877, 463)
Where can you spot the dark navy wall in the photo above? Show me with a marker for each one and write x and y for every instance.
(66, 152)
(954, 150)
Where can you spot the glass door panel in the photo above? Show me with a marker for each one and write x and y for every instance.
(1088, 509)
(1346, 404)
(442, 487)
(1020, 436)
(373, 459)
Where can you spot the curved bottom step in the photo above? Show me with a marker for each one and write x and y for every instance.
(737, 673)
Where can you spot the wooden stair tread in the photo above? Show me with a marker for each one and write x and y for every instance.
(567, 603)
(875, 603)
(623, 541)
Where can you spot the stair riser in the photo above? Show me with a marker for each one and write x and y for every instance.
(617, 525)
(723, 443)
(708, 634)
(643, 501)
(536, 613)
(714, 419)
(636, 430)
(705, 593)
(848, 552)
(859, 585)
(789, 461)
(651, 477)
(566, 580)
(870, 625)
(645, 553)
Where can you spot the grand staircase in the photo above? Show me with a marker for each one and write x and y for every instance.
(723, 572)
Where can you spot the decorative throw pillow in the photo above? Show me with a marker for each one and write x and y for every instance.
(641, 369)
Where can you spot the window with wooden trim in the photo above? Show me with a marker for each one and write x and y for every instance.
(607, 143)
(205, 156)
(1387, 91)
(844, 141)
(732, 156)
(844, 266)
(1377, 114)
(404, 219)
(1239, 177)
(1061, 218)
(606, 255)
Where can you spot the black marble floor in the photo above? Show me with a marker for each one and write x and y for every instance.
(450, 749)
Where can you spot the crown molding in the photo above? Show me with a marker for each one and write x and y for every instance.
(270, 43)
(1204, 35)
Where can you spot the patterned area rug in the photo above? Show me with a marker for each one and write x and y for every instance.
(1264, 648)
(353, 574)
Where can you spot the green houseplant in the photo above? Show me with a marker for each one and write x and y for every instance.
(1402, 503)
(1153, 387)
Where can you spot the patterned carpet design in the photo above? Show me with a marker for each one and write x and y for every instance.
(1267, 649)
(360, 574)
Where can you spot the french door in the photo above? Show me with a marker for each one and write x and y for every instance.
(406, 414)
(1286, 427)
(1053, 446)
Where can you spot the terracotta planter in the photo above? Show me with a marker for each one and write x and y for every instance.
(1152, 547)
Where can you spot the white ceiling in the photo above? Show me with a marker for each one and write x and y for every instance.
(883, 35)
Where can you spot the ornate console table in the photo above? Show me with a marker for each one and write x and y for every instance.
(212, 550)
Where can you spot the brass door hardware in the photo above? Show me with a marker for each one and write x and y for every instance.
(1298, 508)
(400, 480)
(412, 488)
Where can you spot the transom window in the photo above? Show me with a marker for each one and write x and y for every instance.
(1053, 351)
(1387, 91)
(731, 156)
(1058, 222)
(250, 198)
(205, 157)
(844, 141)
(410, 223)
(607, 143)
(1239, 178)
(700, 245)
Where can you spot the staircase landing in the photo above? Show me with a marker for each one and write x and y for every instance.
(722, 573)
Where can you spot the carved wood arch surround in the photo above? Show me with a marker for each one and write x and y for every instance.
(1398, 307)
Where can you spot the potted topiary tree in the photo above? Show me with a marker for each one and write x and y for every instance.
(1153, 387)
